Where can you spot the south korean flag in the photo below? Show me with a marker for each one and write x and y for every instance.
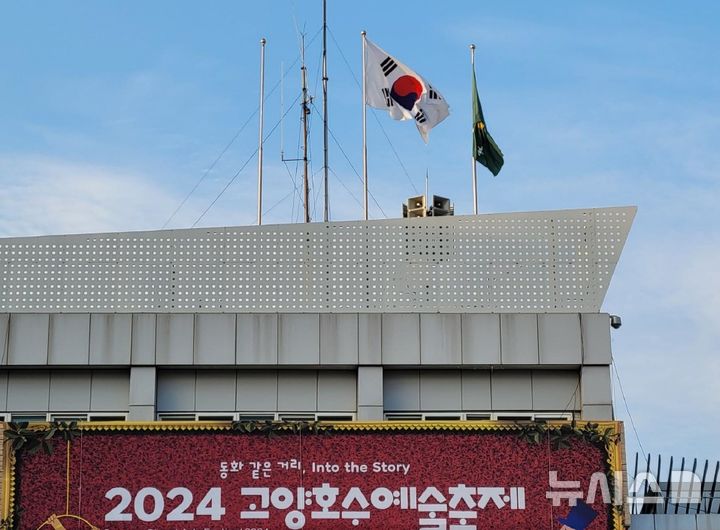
(392, 86)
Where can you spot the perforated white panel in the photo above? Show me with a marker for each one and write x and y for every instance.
(557, 261)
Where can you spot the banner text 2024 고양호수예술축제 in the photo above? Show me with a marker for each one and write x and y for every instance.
(165, 476)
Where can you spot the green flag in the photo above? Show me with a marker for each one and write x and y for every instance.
(485, 150)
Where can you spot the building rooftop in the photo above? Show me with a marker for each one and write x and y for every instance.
(534, 262)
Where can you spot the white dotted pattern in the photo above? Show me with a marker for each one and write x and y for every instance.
(537, 262)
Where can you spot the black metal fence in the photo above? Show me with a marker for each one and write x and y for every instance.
(659, 486)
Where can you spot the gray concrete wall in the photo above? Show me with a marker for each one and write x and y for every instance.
(256, 391)
(365, 364)
(368, 392)
(481, 390)
(255, 340)
(61, 391)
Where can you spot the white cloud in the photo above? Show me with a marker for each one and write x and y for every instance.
(668, 293)
(40, 195)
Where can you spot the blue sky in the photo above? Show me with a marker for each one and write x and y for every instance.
(110, 113)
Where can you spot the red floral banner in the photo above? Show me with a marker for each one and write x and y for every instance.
(440, 477)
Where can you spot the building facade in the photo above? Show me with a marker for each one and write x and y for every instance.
(457, 318)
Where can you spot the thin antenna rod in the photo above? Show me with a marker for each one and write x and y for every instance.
(260, 131)
(474, 162)
(282, 109)
(427, 186)
(305, 112)
(325, 113)
(364, 126)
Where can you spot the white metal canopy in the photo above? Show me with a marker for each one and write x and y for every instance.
(534, 262)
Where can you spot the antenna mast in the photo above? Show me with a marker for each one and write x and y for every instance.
(305, 112)
(325, 113)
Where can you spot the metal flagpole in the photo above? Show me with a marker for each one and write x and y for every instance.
(474, 162)
(260, 132)
(364, 126)
(325, 111)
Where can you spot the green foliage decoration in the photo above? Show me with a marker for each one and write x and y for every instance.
(560, 436)
(23, 438)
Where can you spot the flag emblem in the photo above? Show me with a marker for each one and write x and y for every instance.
(404, 94)
(485, 150)
(406, 90)
(388, 99)
(388, 65)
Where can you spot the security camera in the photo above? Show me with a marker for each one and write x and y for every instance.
(615, 321)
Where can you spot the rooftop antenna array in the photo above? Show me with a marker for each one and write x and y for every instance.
(304, 112)
(325, 113)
